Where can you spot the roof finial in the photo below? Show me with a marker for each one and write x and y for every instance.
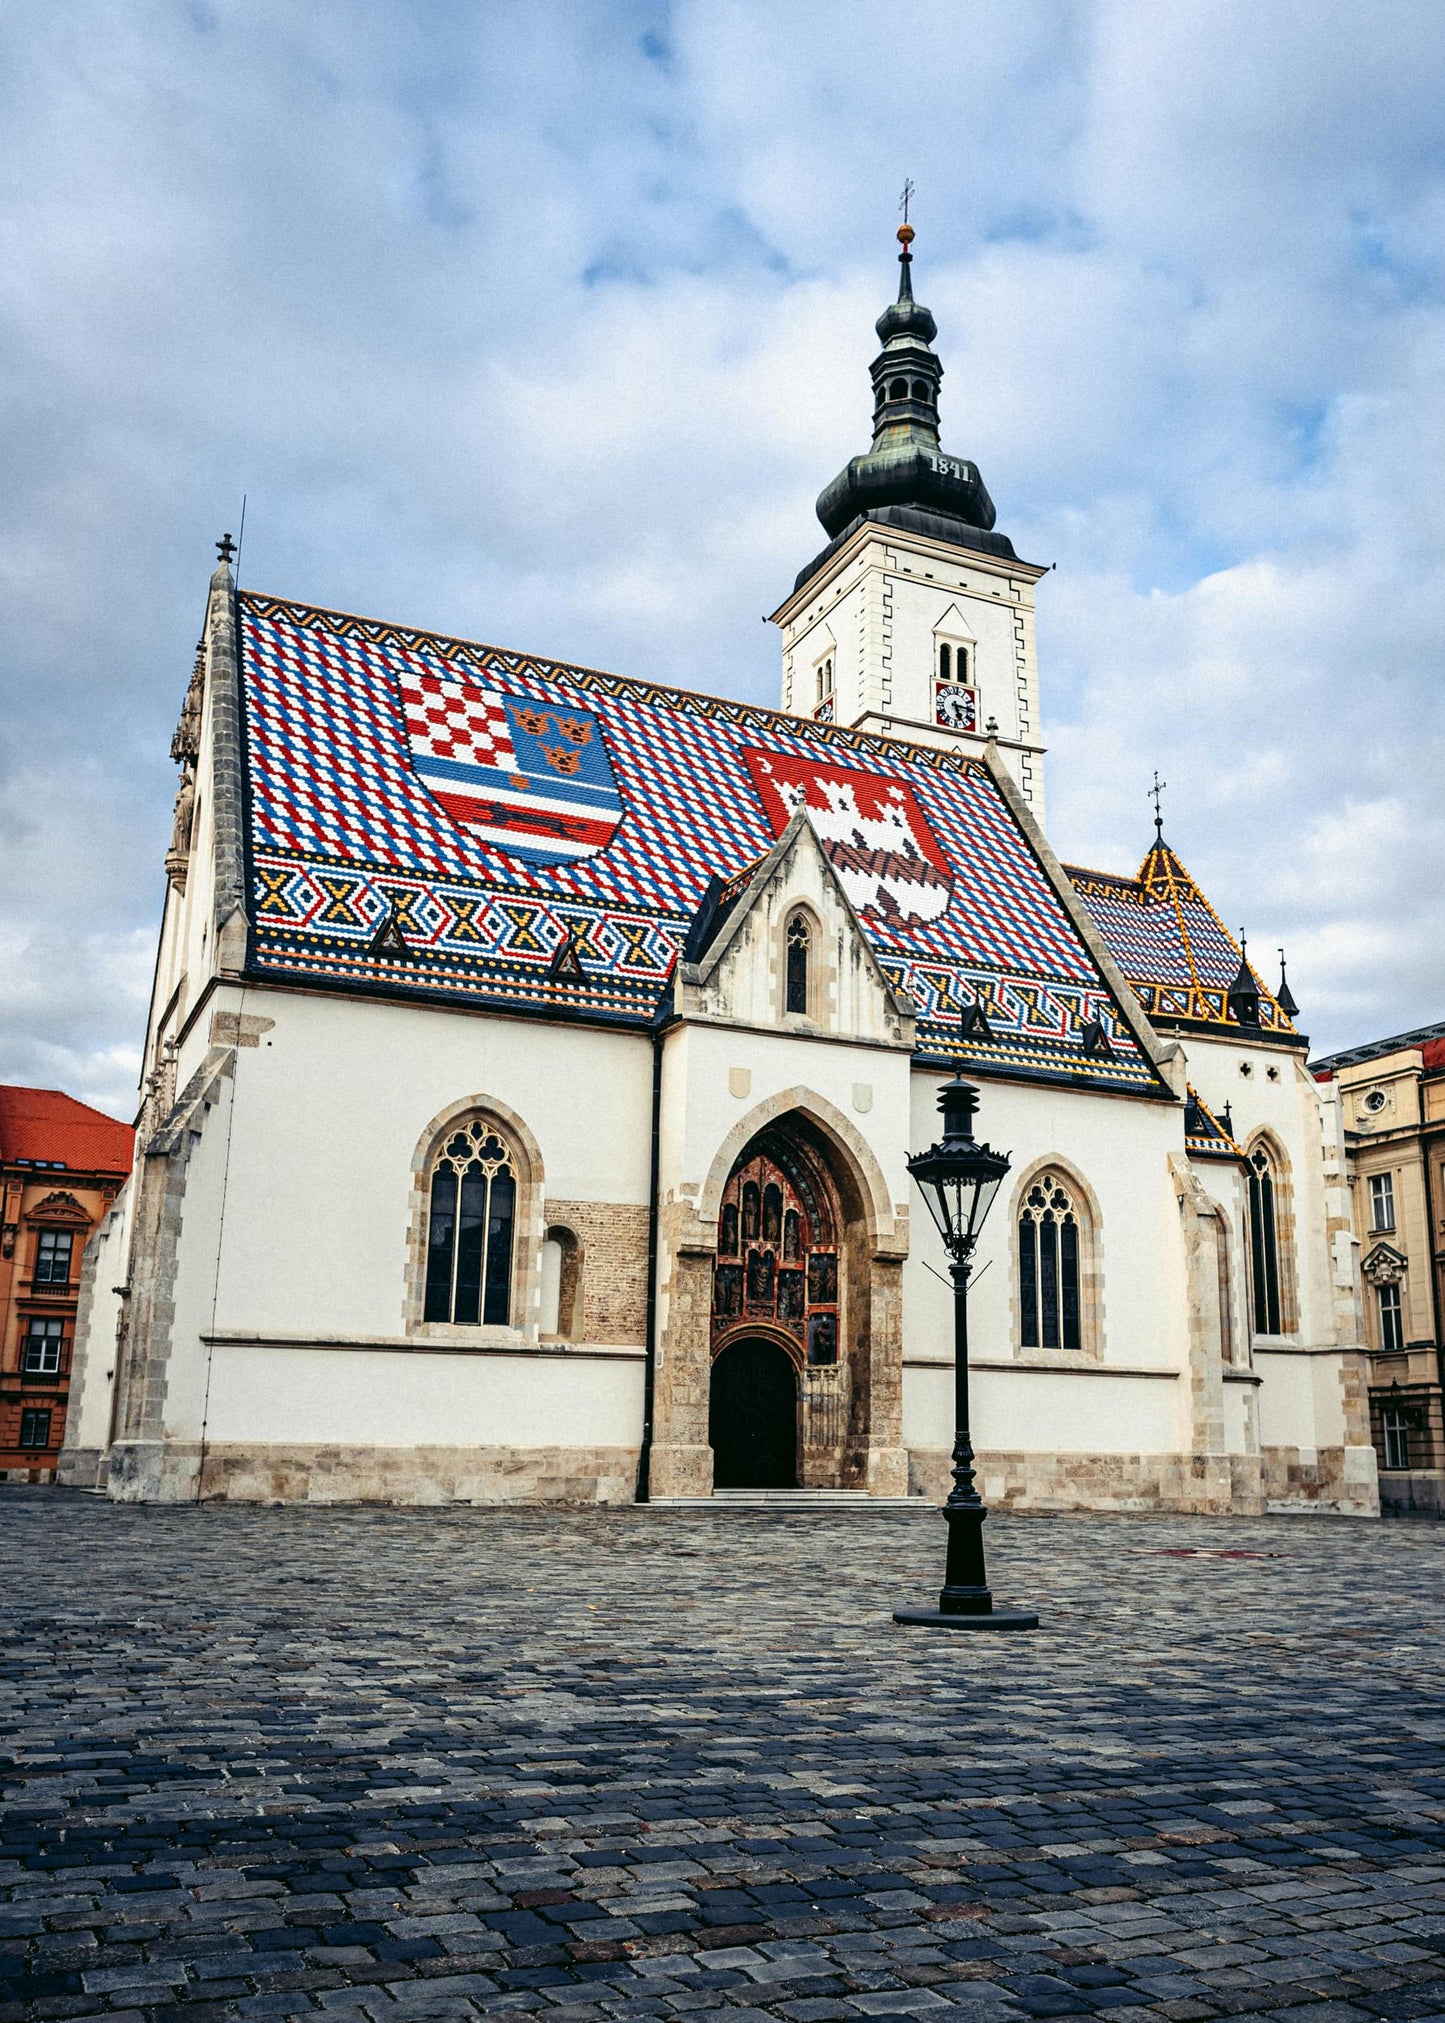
(1284, 996)
(1154, 794)
(226, 548)
(905, 240)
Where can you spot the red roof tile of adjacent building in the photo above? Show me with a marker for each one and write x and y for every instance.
(47, 1124)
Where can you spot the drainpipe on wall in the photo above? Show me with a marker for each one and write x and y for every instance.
(644, 1458)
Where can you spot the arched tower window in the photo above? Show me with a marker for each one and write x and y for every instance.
(471, 1223)
(799, 938)
(945, 662)
(1264, 1260)
(1048, 1234)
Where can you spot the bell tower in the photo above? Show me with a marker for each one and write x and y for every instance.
(917, 619)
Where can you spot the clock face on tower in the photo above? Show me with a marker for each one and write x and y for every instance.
(954, 706)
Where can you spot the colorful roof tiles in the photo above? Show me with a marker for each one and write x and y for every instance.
(492, 804)
(1170, 943)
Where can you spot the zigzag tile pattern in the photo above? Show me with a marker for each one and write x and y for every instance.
(342, 830)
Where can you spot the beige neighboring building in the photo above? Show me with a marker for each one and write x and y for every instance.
(1393, 1096)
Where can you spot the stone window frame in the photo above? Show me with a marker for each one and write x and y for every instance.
(1091, 1267)
(1264, 1140)
(571, 1284)
(820, 968)
(527, 1234)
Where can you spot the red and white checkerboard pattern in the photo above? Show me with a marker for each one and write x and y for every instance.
(455, 720)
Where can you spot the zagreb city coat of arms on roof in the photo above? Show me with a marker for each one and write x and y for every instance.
(530, 777)
(887, 858)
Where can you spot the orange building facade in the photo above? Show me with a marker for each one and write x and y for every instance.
(61, 1166)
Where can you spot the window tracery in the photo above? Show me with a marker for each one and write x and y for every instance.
(471, 1229)
(1048, 1243)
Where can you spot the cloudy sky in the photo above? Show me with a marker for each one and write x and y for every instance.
(545, 323)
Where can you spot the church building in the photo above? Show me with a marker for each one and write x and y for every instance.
(535, 1054)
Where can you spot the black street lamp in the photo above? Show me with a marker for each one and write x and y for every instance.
(959, 1178)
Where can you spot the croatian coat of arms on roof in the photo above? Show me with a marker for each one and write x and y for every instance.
(887, 858)
(532, 778)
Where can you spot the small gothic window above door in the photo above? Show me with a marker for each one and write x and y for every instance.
(799, 938)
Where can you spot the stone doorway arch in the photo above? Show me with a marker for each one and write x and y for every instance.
(850, 1386)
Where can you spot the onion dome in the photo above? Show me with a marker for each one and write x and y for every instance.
(906, 479)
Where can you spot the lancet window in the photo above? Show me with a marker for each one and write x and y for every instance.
(799, 944)
(471, 1229)
(1264, 1259)
(1048, 1237)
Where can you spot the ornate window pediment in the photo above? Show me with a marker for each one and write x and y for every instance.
(57, 1207)
(1385, 1265)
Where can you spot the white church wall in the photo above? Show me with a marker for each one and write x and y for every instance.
(269, 1394)
(331, 1107)
(717, 1077)
(1044, 1412)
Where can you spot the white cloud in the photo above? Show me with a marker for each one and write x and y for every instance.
(546, 323)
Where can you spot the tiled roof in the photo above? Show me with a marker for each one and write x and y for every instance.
(490, 803)
(1170, 943)
(1428, 1040)
(1205, 1136)
(46, 1126)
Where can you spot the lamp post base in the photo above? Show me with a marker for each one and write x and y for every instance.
(995, 1619)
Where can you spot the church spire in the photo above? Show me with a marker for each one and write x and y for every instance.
(905, 479)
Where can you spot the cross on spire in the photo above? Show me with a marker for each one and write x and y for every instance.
(226, 548)
(1154, 794)
(907, 197)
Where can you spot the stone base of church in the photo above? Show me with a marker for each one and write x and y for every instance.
(1338, 1481)
(149, 1472)
(1341, 1480)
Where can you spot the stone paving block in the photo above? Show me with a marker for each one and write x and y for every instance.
(373, 1764)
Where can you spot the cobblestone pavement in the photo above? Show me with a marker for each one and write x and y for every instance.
(422, 1764)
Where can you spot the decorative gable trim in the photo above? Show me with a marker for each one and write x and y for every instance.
(704, 971)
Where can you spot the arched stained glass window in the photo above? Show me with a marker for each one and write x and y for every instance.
(470, 1230)
(1049, 1267)
(798, 940)
(1264, 1245)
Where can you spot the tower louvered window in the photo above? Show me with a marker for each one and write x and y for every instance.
(1049, 1267)
(470, 1230)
